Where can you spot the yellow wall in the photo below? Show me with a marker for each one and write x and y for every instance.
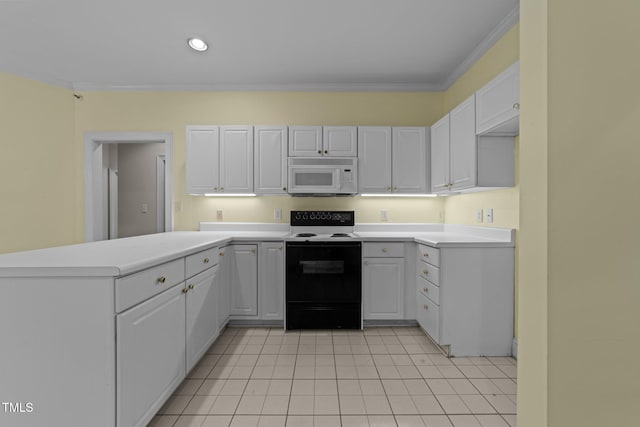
(593, 152)
(37, 166)
(532, 236)
(172, 111)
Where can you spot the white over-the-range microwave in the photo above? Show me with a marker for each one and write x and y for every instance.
(323, 176)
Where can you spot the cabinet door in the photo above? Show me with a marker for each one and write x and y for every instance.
(236, 159)
(440, 156)
(497, 103)
(374, 156)
(202, 159)
(244, 280)
(409, 160)
(305, 141)
(270, 145)
(340, 141)
(202, 314)
(150, 356)
(272, 281)
(383, 288)
(464, 150)
(224, 284)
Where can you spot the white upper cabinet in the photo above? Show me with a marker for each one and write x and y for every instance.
(219, 159)
(440, 156)
(317, 141)
(409, 159)
(374, 155)
(393, 160)
(340, 141)
(464, 162)
(236, 159)
(270, 161)
(462, 151)
(498, 104)
(305, 141)
(202, 159)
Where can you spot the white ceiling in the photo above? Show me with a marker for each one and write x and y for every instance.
(254, 44)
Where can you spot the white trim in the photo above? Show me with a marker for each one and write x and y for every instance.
(161, 169)
(281, 87)
(500, 30)
(93, 205)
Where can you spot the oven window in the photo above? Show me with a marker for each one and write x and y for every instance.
(322, 267)
(310, 178)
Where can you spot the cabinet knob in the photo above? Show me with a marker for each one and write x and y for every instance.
(516, 106)
(385, 250)
(426, 290)
(280, 248)
(221, 188)
(326, 152)
(162, 279)
(215, 188)
(319, 151)
(426, 255)
(253, 251)
(388, 188)
(426, 307)
(221, 254)
(206, 260)
(395, 188)
(284, 188)
(185, 290)
(190, 286)
(425, 272)
(366, 263)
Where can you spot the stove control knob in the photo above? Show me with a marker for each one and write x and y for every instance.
(305, 216)
(312, 216)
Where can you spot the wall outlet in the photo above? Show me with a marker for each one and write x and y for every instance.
(145, 208)
(479, 215)
(384, 215)
(277, 214)
(219, 214)
(488, 215)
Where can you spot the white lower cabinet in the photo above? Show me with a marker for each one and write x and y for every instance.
(224, 291)
(271, 280)
(244, 280)
(202, 314)
(383, 281)
(465, 299)
(150, 356)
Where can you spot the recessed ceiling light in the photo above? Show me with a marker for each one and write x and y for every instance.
(197, 44)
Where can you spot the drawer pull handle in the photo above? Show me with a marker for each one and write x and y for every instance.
(221, 254)
(190, 286)
(206, 261)
(280, 248)
(253, 251)
(162, 279)
(425, 272)
(516, 106)
(366, 263)
(384, 250)
(426, 290)
(185, 290)
(426, 307)
(426, 255)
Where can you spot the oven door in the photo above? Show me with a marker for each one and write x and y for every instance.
(324, 272)
(314, 179)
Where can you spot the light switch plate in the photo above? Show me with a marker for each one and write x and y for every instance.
(384, 215)
(277, 214)
(488, 215)
(219, 214)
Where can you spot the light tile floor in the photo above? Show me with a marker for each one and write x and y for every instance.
(262, 377)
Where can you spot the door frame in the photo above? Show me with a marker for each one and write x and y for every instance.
(94, 209)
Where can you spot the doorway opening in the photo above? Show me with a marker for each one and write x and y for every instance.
(144, 210)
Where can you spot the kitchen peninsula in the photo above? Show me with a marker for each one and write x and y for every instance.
(102, 333)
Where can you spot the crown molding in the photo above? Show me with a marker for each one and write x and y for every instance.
(292, 87)
(39, 77)
(500, 30)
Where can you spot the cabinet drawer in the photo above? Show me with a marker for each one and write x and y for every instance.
(200, 261)
(429, 272)
(383, 250)
(137, 287)
(429, 289)
(429, 254)
(429, 316)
